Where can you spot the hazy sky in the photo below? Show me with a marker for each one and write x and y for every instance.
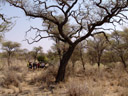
(23, 23)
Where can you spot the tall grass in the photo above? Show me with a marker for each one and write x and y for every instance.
(77, 88)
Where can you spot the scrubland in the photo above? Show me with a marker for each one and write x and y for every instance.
(18, 80)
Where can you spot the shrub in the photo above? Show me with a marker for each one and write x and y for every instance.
(11, 78)
(15, 68)
(77, 88)
(41, 58)
(45, 77)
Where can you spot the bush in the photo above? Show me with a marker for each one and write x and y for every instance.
(42, 59)
(15, 68)
(11, 78)
(124, 92)
(46, 77)
(77, 88)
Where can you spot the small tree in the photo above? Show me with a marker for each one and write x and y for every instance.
(10, 47)
(36, 51)
(109, 56)
(97, 46)
(119, 45)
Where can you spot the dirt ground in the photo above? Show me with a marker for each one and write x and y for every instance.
(40, 82)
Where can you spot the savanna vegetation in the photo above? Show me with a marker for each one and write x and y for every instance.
(89, 57)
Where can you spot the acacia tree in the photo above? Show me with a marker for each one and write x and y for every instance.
(85, 19)
(10, 47)
(90, 54)
(97, 45)
(36, 51)
(119, 45)
(109, 56)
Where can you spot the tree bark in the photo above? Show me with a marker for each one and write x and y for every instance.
(63, 63)
(8, 59)
(123, 61)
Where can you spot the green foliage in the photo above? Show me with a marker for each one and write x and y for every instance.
(52, 56)
(36, 51)
(109, 56)
(42, 58)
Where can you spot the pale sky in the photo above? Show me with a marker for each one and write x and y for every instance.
(23, 23)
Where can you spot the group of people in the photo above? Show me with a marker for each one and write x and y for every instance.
(35, 65)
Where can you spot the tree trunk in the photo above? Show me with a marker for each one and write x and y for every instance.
(82, 60)
(63, 63)
(35, 58)
(98, 61)
(123, 61)
(8, 59)
(83, 63)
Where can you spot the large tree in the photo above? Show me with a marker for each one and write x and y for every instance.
(85, 18)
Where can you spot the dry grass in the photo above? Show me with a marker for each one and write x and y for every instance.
(16, 68)
(44, 77)
(77, 88)
(11, 78)
(124, 92)
(100, 82)
(91, 82)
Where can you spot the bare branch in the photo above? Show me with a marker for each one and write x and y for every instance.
(1, 16)
(34, 40)
(101, 32)
(102, 7)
